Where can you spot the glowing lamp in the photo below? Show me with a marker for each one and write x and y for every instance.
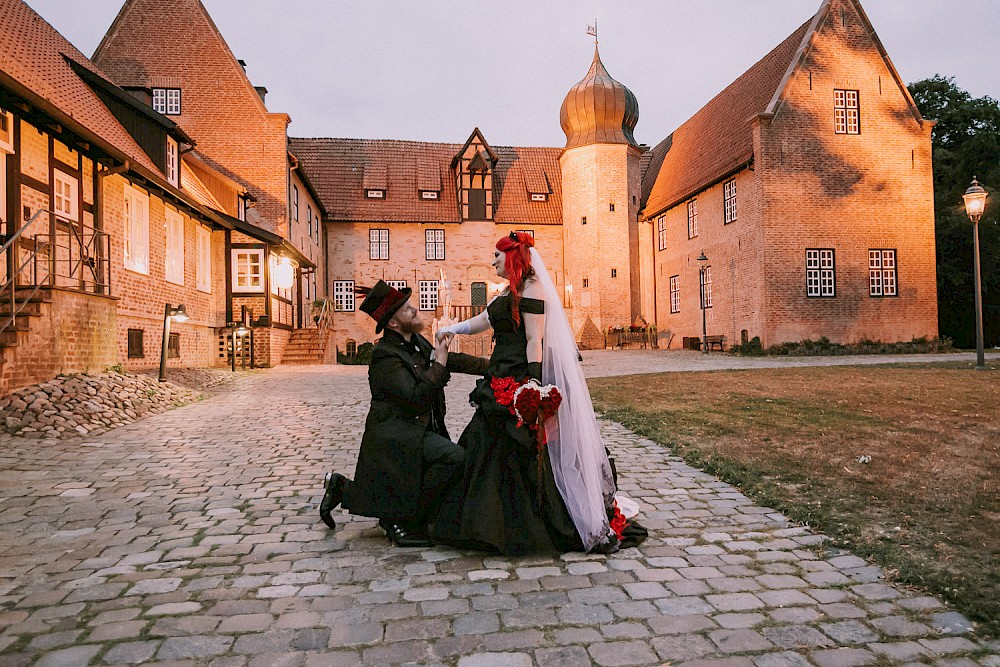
(284, 273)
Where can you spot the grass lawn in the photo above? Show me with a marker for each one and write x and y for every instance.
(927, 506)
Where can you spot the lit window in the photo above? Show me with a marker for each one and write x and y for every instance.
(661, 232)
(846, 112)
(167, 101)
(433, 244)
(64, 191)
(136, 230)
(174, 259)
(882, 273)
(378, 244)
(675, 294)
(428, 294)
(204, 270)
(820, 272)
(729, 198)
(248, 270)
(692, 218)
(172, 171)
(343, 295)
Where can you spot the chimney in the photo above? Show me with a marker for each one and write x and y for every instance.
(262, 91)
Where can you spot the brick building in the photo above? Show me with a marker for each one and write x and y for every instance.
(806, 185)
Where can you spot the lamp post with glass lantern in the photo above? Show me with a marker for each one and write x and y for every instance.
(975, 204)
(702, 265)
(177, 314)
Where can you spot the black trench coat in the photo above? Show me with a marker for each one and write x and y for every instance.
(407, 402)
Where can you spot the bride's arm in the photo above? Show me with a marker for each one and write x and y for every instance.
(534, 328)
(473, 325)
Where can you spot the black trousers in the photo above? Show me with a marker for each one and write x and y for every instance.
(443, 463)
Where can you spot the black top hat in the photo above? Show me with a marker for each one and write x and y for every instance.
(382, 302)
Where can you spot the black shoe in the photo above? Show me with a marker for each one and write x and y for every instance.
(404, 537)
(334, 494)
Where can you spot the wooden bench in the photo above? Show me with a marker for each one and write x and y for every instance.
(712, 341)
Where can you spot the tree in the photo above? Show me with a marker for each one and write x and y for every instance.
(966, 143)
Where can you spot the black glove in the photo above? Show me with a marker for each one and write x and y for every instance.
(535, 371)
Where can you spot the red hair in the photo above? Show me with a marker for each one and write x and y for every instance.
(517, 263)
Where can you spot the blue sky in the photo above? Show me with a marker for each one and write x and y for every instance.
(435, 69)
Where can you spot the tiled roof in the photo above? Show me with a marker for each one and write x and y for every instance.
(340, 170)
(32, 63)
(718, 138)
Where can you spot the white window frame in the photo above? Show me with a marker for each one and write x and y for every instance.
(396, 284)
(661, 232)
(241, 208)
(7, 132)
(343, 296)
(846, 111)
(173, 259)
(378, 244)
(136, 230)
(173, 165)
(374, 193)
(167, 101)
(539, 196)
(675, 294)
(692, 216)
(882, 272)
(821, 273)
(295, 202)
(434, 244)
(428, 294)
(706, 284)
(309, 220)
(428, 194)
(248, 268)
(65, 195)
(729, 200)
(203, 276)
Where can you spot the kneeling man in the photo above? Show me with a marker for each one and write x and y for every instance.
(407, 462)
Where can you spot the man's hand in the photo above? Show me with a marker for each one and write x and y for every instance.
(441, 347)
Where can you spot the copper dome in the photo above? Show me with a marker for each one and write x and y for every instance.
(598, 110)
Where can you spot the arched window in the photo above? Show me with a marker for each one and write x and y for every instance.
(352, 348)
(478, 293)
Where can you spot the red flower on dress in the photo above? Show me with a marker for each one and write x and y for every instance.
(618, 521)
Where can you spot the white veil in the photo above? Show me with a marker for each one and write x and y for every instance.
(579, 461)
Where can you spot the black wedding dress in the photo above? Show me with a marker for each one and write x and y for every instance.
(507, 500)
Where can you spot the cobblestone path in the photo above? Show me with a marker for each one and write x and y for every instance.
(192, 538)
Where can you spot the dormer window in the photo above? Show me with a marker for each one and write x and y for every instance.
(173, 170)
(428, 194)
(167, 101)
(374, 194)
(241, 208)
(539, 197)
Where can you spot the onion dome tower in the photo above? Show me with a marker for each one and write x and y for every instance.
(600, 183)
(598, 109)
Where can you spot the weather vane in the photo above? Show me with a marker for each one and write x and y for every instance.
(592, 30)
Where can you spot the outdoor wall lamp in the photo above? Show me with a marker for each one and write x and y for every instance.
(178, 314)
(975, 204)
(284, 273)
(702, 266)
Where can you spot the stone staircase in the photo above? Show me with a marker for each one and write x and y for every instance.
(303, 348)
(12, 335)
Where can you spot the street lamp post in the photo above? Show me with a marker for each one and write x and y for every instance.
(177, 314)
(975, 204)
(702, 264)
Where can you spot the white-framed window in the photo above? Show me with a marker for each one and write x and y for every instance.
(706, 286)
(248, 269)
(821, 279)
(428, 294)
(295, 202)
(343, 295)
(661, 232)
(539, 196)
(882, 272)
(675, 294)
(136, 230)
(374, 194)
(6, 132)
(428, 194)
(309, 220)
(434, 244)
(396, 284)
(167, 101)
(692, 218)
(65, 190)
(378, 244)
(173, 171)
(846, 112)
(203, 277)
(241, 208)
(174, 258)
(729, 200)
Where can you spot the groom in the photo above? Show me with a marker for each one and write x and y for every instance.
(407, 462)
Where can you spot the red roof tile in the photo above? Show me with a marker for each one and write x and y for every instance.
(718, 138)
(32, 59)
(339, 169)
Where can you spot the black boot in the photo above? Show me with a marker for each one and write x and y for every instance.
(335, 483)
(405, 534)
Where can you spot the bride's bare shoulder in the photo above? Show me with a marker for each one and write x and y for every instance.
(533, 289)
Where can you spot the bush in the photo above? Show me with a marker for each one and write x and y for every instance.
(824, 347)
(362, 358)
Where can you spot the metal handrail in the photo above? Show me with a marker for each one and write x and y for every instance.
(323, 324)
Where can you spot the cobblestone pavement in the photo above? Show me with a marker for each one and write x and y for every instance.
(192, 538)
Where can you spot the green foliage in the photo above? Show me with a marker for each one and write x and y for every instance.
(966, 142)
(117, 368)
(362, 358)
(823, 347)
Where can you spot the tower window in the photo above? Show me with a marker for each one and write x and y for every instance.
(583, 220)
(611, 207)
(614, 273)
(586, 283)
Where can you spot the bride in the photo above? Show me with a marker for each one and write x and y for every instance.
(516, 498)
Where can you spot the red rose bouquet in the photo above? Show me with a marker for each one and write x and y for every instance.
(530, 403)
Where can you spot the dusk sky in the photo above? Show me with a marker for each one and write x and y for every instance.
(435, 69)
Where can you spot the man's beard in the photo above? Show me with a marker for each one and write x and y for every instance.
(411, 327)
